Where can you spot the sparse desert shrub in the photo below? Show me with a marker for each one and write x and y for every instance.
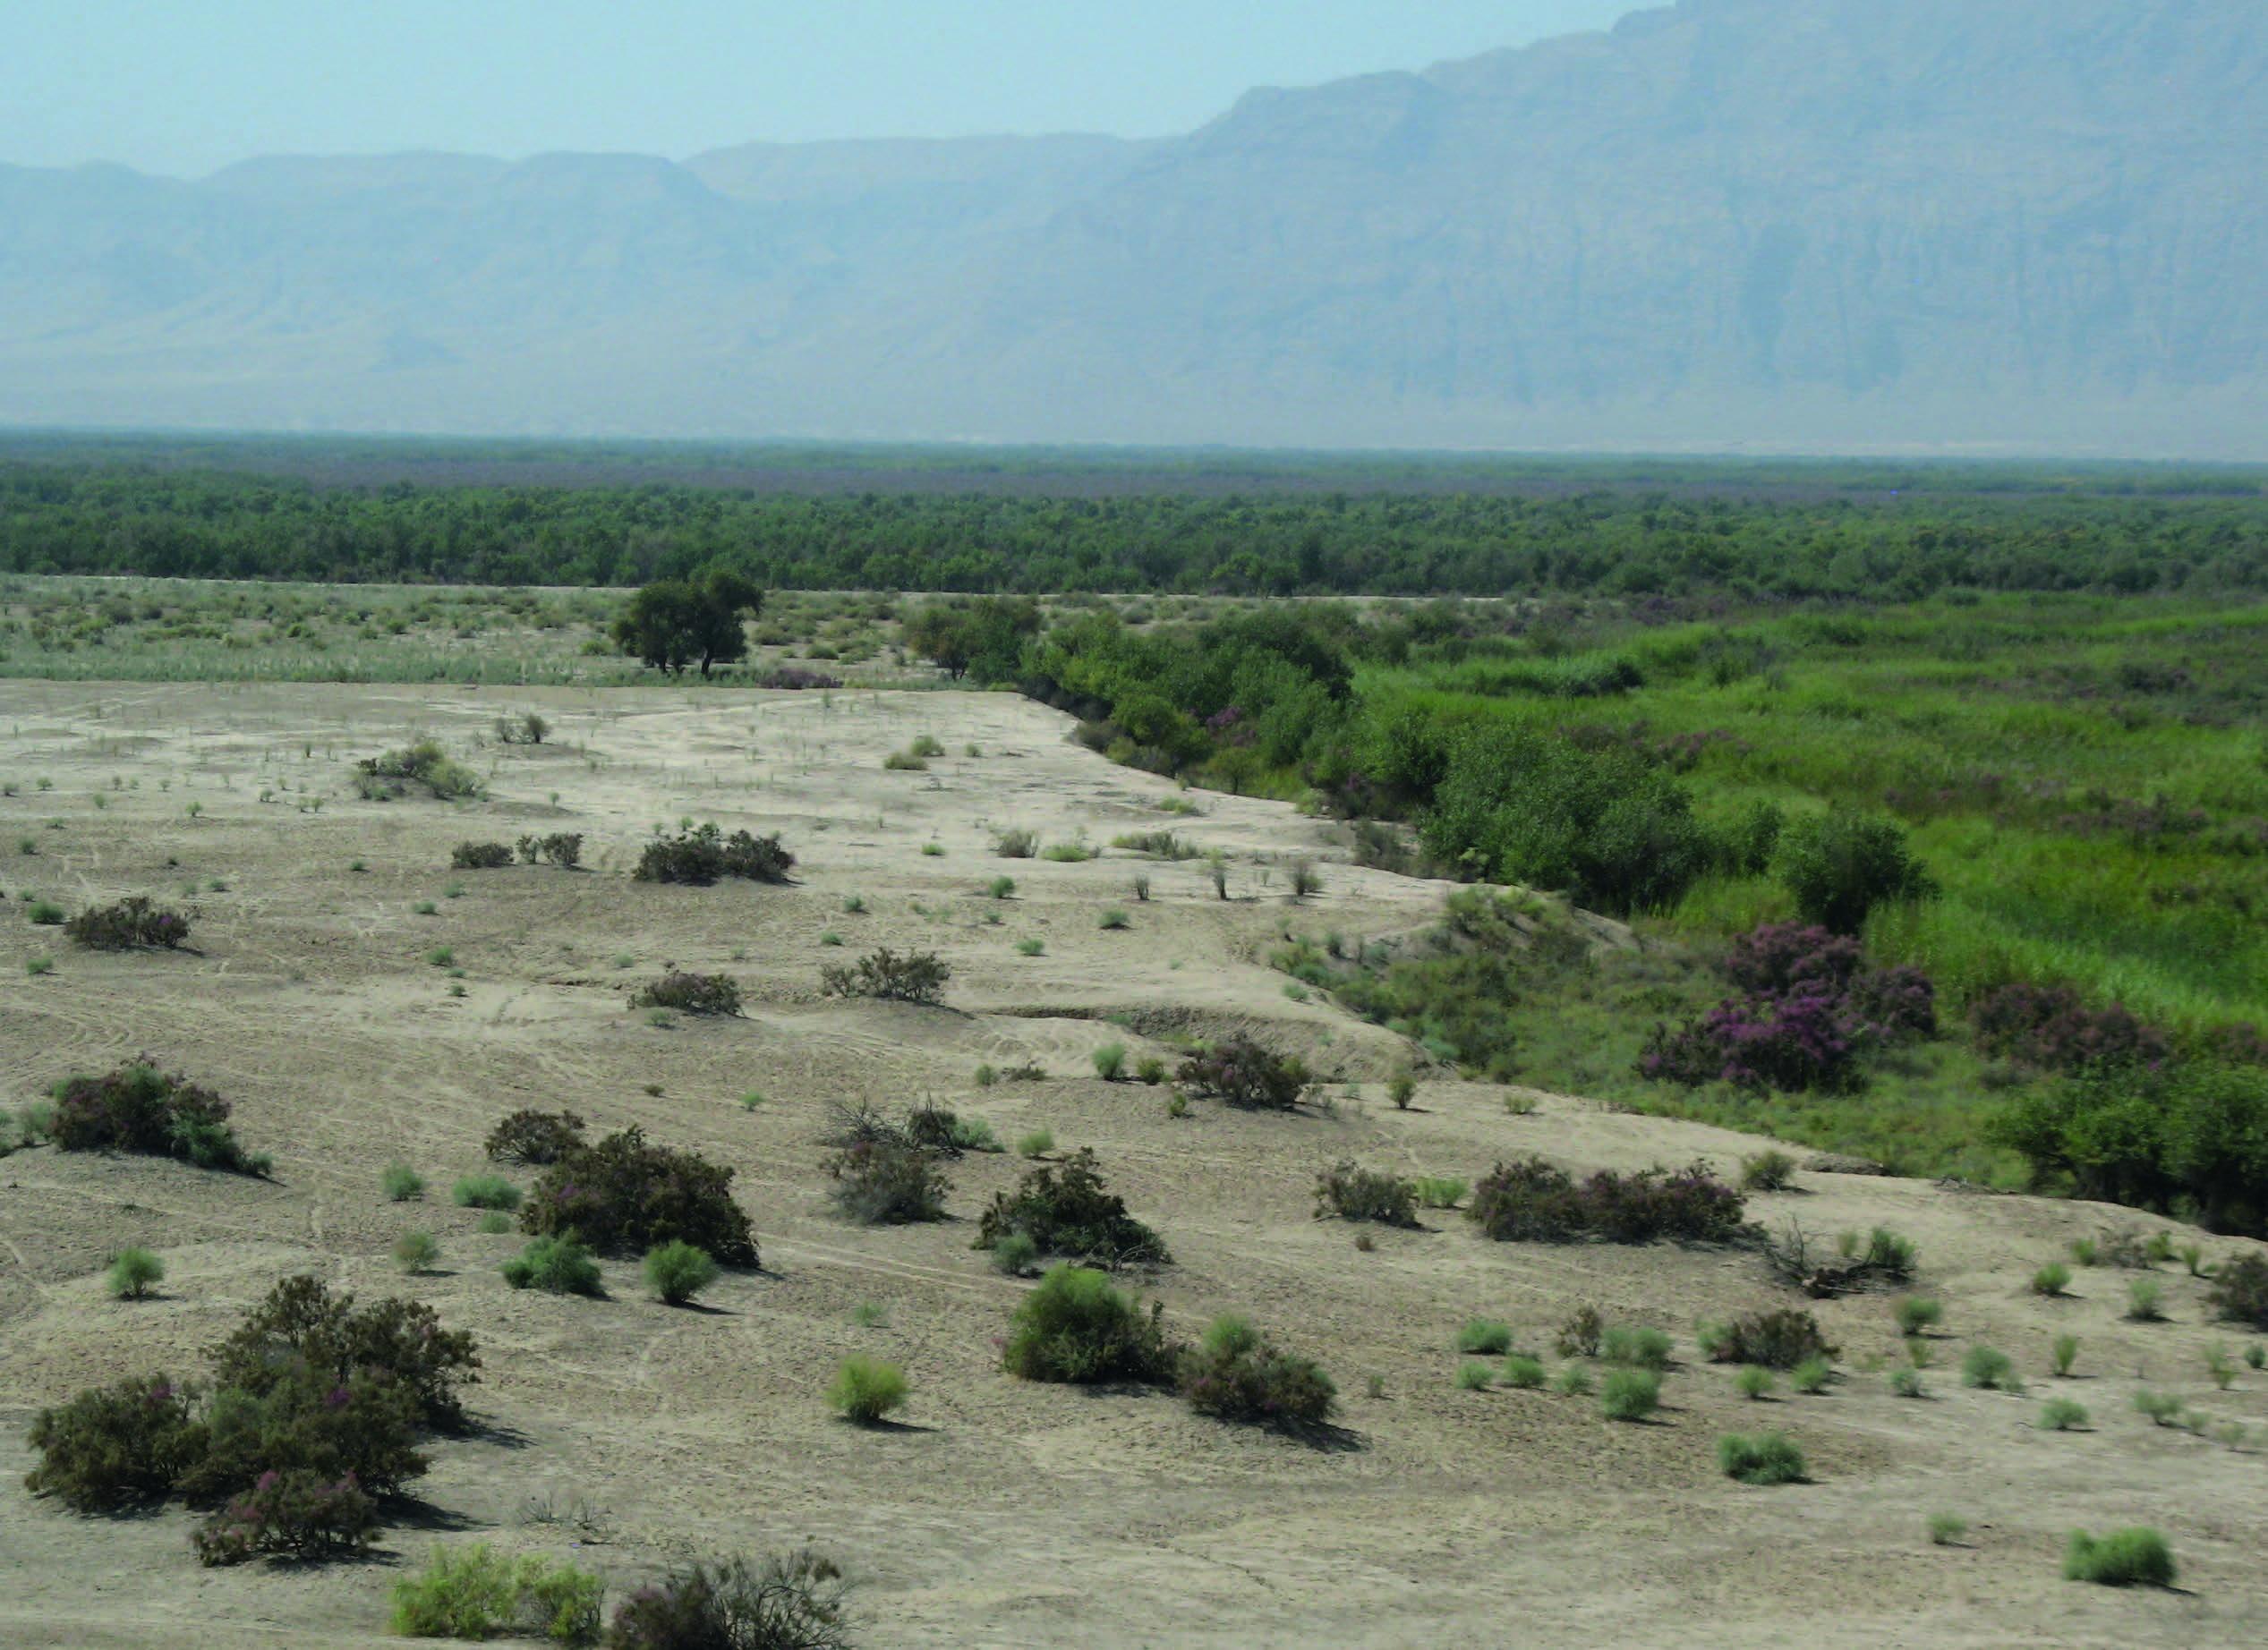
(138, 1108)
(866, 1390)
(527, 728)
(704, 855)
(423, 763)
(1440, 1192)
(555, 1265)
(1110, 1061)
(560, 848)
(1067, 852)
(2062, 1415)
(1015, 1255)
(1236, 1374)
(2163, 1409)
(881, 1183)
(1986, 1367)
(791, 1603)
(1754, 1381)
(1066, 1210)
(117, 1446)
(1113, 919)
(1906, 1384)
(676, 1271)
(1768, 1171)
(132, 924)
(1579, 1336)
(1474, 1377)
(1522, 1372)
(1016, 843)
(1242, 1073)
(1030, 947)
(1763, 1458)
(402, 1184)
(2239, 1292)
(1810, 1377)
(905, 761)
(1917, 1313)
(1402, 1088)
(917, 977)
(690, 993)
(534, 1138)
(2129, 1558)
(480, 856)
(1946, 1529)
(2052, 1280)
(1076, 1326)
(1306, 880)
(2066, 1354)
(1348, 1193)
(2144, 1296)
(1635, 1348)
(1531, 1200)
(1485, 1336)
(624, 1195)
(44, 914)
(1572, 1380)
(133, 1273)
(495, 1224)
(475, 1592)
(296, 1514)
(1149, 1070)
(416, 1251)
(485, 1192)
(1000, 888)
(1629, 1394)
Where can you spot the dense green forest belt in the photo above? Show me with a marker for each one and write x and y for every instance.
(1760, 537)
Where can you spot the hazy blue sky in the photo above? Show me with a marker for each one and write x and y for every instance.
(185, 86)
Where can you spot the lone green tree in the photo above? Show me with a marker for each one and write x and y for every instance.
(681, 622)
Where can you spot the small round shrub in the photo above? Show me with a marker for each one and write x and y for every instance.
(1906, 1384)
(2066, 1353)
(1764, 1458)
(2052, 1280)
(133, 1274)
(1572, 1380)
(1811, 1375)
(865, 1390)
(1522, 1372)
(1015, 1254)
(416, 1251)
(485, 1192)
(555, 1265)
(1637, 1349)
(494, 1222)
(676, 1271)
(2143, 1301)
(2128, 1558)
(1947, 1528)
(1236, 1374)
(2062, 1415)
(1629, 1394)
(1038, 1144)
(1475, 1377)
(1110, 1061)
(1985, 1367)
(1771, 1170)
(1754, 1381)
(402, 1184)
(1485, 1336)
(1917, 1313)
(1076, 1325)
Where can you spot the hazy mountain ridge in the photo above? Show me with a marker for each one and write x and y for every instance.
(1794, 223)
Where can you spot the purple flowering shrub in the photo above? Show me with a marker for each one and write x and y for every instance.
(2047, 1028)
(1237, 1374)
(1531, 1200)
(138, 1108)
(1809, 1014)
(296, 1514)
(132, 924)
(623, 1196)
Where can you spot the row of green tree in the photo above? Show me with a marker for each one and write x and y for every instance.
(92, 518)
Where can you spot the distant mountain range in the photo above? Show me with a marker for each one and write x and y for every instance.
(1800, 224)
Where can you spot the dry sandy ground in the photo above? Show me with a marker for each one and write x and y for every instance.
(1001, 1514)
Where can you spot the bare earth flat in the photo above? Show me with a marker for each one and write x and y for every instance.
(1001, 1513)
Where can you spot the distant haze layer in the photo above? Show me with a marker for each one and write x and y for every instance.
(1927, 226)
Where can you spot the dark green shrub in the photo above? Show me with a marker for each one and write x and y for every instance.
(1840, 865)
(1531, 1200)
(690, 993)
(118, 1446)
(477, 1592)
(555, 1265)
(138, 1108)
(293, 1514)
(2130, 1558)
(917, 976)
(300, 1323)
(1780, 1338)
(1065, 1209)
(1235, 1374)
(794, 1603)
(880, 1184)
(1768, 1171)
(1243, 1073)
(704, 855)
(561, 848)
(480, 856)
(865, 1390)
(676, 1271)
(536, 1138)
(528, 728)
(299, 1419)
(1351, 1194)
(46, 913)
(2239, 1292)
(1076, 1326)
(485, 1192)
(1989, 1368)
(623, 1196)
(132, 924)
(1580, 1335)
(1764, 1458)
